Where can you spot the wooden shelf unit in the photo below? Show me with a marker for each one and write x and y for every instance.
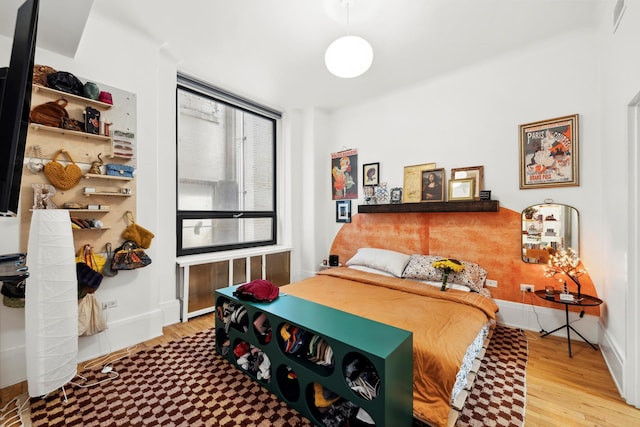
(73, 133)
(466, 206)
(71, 97)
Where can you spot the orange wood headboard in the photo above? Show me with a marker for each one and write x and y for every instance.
(489, 239)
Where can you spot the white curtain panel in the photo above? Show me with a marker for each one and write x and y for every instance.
(51, 303)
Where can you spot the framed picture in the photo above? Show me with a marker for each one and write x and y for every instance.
(549, 153)
(433, 184)
(412, 191)
(476, 172)
(461, 189)
(344, 174)
(395, 197)
(343, 211)
(371, 174)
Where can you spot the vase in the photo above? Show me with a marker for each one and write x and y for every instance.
(445, 276)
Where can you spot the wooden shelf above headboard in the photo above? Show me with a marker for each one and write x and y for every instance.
(462, 206)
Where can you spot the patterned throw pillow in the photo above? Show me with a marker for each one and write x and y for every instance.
(420, 267)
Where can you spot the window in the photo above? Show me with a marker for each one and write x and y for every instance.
(226, 170)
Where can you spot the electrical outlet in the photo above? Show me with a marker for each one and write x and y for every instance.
(109, 304)
(526, 288)
(491, 283)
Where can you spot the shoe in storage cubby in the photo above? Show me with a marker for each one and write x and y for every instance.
(369, 375)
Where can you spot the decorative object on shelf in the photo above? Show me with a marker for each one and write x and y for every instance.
(371, 174)
(412, 191)
(343, 211)
(40, 73)
(334, 260)
(343, 181)
(91, 120)
(382, 194)
(122, 143)
(562, 263)
(33, 165)
(50, 113)
(529, 211)
(461, 189)
(74, 205)
(105, 97)
(73, 124)
(348, 56)
(65, 82)
(369, 195)
(107, 271)
(42, 194)
(129, 256)
(447, 265)
(90, 90)
(140, 235)
(433, 184)
(549, 153)
(114, 169)
(485, 195)
(476, 172)
(63, 177)
(396, 195)
(96, 165)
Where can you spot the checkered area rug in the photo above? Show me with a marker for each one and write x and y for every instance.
(498, 395)
(185, 383)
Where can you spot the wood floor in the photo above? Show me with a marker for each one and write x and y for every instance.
(561, 391)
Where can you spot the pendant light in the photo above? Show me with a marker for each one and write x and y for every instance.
(348, 56)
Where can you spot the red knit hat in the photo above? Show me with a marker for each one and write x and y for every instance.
(258, 290)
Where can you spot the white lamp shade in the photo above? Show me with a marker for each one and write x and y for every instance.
(348, 56)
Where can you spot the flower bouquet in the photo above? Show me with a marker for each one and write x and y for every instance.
(447, 265)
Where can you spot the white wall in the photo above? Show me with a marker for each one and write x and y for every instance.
(132, 63)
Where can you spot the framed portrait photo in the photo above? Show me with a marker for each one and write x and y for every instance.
(371, 174)
(343, 211)
(412, 185)
(433, 185)
(549, 153)
(475, 172)
(461, 189)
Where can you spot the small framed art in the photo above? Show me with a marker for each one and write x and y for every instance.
(371, 173)
(395, 197)
(476, 172)
(549, 153)
(412, 188)
(433, 184)
(343, 211)
(461, 189)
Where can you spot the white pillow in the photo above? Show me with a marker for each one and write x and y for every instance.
(381, 259)
(370, 270)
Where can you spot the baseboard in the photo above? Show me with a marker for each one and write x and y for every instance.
(614, 359)
(534, 318)
(120, 334)
(170, 312)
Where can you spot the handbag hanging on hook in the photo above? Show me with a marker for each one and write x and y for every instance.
(140, 235)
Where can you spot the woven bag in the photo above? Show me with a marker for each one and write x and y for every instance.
(40, 73)
(50, 113)
(63, 177)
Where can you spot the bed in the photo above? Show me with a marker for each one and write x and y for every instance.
(448, 327)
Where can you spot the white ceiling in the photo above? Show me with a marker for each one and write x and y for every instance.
(273, 50)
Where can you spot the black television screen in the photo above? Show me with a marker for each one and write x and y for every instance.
(15, 104)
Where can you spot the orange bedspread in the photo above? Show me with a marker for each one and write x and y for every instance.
(443, 324)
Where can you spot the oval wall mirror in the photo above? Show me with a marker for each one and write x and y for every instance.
(547, 227)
